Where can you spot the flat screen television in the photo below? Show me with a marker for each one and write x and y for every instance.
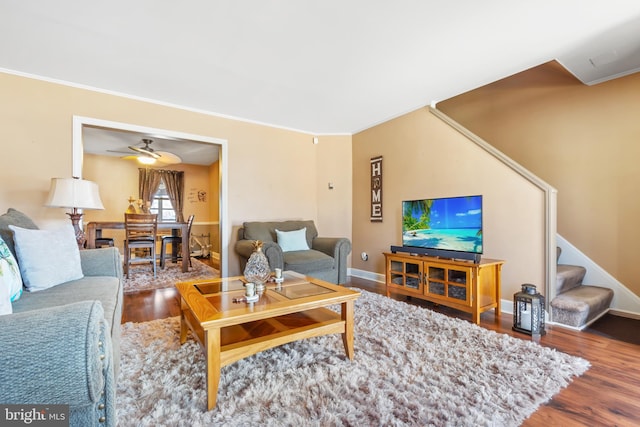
(447, 226)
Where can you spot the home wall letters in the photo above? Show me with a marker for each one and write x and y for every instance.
(376, 189)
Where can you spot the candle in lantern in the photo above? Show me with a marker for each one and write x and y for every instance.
(525, 319)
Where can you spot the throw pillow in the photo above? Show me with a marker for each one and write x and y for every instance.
(9, 272)
(17, 218)
(292, 240)
(5, 301)
(47, 257)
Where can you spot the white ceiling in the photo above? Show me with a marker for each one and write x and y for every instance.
(322, 67)
(116, 143)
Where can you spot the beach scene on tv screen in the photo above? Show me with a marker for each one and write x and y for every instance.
(450, 223)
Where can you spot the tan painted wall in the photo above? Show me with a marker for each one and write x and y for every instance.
(333, 153)
(583, 140)
(423, 158)
(273, 173)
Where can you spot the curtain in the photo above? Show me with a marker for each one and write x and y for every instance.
(149, 181)
(174, 182)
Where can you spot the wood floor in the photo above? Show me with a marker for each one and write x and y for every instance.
(608, 394)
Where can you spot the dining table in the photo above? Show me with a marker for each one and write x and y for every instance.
(94, 230)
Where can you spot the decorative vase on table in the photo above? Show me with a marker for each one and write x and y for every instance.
(131, 208)
(257, 269)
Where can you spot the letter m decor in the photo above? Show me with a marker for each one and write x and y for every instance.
(376, 189)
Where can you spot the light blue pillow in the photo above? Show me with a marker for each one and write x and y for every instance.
(47, 257)
(292, 240)
(10, 277)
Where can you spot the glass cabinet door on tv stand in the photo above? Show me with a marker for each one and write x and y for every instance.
(471, 287)
(449, 282)
(406, 275)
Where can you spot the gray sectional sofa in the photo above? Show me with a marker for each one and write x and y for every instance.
(325, 258)
(61, 345)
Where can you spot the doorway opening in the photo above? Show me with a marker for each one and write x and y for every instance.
(82, 125)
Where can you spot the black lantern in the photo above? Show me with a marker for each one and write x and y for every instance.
(528, 311)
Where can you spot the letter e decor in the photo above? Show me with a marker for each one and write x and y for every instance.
(376, 189)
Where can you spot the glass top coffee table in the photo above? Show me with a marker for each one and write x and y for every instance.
(289, 311)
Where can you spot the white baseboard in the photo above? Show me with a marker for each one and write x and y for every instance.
(367, 275)
(579, 328)
(624, 313)
(506, 306)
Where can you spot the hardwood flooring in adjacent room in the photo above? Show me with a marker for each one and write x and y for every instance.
(608, 394)
(617, 328)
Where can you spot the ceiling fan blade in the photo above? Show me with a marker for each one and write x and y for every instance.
(169, 158)
(147, 152)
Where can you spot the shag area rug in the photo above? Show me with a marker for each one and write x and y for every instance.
(141, 275)
(412, 367)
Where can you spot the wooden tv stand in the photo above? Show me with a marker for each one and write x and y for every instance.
(463, 285)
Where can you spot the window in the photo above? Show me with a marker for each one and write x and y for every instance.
(161, 205)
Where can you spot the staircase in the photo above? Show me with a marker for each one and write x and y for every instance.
(576, 305)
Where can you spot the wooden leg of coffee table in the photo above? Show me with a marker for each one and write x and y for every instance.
(212, 356)
(347, 336)
(184, 328)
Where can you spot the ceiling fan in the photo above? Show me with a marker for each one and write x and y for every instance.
(149, 156)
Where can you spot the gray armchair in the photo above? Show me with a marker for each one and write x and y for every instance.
(326, 259)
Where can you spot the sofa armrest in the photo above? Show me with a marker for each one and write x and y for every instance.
(271, 250)
(332, 246)
(59, 355)
(101, 262)
(244, 248)
(339, 249)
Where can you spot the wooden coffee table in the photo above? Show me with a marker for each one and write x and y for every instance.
(229, 331)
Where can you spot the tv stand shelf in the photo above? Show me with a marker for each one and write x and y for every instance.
(470, 287)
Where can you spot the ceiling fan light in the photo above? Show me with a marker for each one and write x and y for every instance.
(146, 160)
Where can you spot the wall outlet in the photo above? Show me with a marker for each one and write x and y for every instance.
(364, 256)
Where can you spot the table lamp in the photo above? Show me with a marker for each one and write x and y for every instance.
(74, 193)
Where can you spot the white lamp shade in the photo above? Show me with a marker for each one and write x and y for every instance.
(74, 193)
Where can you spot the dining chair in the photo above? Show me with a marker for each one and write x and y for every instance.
(175, 240)
(103, 241)
(141, 231)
